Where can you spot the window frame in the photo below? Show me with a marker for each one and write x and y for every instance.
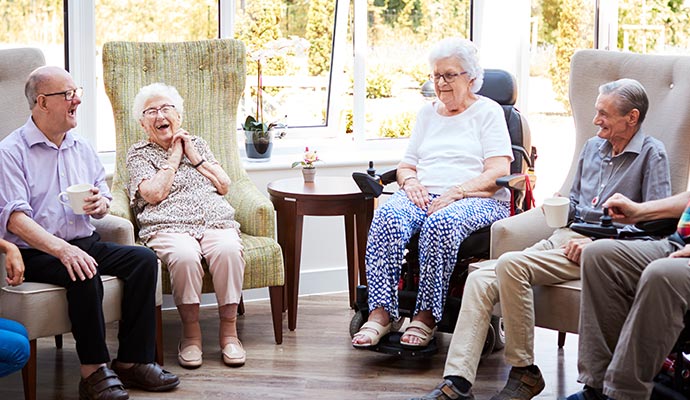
(80, 59)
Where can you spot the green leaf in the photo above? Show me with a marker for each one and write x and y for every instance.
(252, 125)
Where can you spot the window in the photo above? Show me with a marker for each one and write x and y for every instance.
(400, 35)
(296, 79)
(653, 26)
(557, 29)
(34, 24)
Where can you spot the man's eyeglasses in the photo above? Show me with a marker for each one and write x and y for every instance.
(69, 94)
(152, 112)
(449, 77)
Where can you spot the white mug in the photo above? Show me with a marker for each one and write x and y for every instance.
(75, 197)
(556, 210)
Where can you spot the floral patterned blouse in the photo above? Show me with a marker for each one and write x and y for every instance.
(193, 204)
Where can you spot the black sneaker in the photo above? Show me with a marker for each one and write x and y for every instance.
(522, 385)
(446, 391)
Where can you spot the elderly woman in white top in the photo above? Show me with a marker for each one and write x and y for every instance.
(459, 146)
(176, 189)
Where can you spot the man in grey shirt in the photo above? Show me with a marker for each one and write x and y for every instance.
(620, 159)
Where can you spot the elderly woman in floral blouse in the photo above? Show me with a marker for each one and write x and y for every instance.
(176, 188)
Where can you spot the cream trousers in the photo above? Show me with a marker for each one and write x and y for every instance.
(510, 280)
(222, 249)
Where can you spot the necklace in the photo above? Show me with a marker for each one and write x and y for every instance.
(602, 185)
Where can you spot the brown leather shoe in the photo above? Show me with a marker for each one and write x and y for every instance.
(522, 385)
(150, 377)
(103, 384)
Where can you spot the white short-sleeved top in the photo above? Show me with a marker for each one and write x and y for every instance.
(448, 151)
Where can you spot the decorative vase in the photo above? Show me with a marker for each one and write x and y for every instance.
(258, 144)
(308, 174)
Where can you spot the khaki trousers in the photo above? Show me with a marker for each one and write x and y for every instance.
(633, 302)
(222, 249)
(510, 280)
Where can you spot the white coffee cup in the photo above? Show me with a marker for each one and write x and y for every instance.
(556, 211)
(75, 195)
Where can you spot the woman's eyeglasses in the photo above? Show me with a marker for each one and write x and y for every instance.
(449, 77)
(152, 112)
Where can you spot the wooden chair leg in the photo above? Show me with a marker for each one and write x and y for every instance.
(561, 339)
(276, 295)
(58, 341)
(159, 336)
(29, 373)
(240, 306)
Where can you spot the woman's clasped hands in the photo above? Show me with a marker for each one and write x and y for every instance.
(182, 146)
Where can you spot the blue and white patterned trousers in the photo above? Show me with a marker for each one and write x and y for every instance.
(441, 234)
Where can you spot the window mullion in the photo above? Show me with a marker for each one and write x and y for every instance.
(82, 59)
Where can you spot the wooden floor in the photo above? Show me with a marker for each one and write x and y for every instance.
(316, 361)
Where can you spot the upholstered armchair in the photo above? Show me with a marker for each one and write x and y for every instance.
(668, 119)
(210, 76)
(42, 308)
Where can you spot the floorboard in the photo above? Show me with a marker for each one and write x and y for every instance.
(316, 361)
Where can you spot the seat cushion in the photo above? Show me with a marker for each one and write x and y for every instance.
(42, 308)
(263, 265)
(558, 306)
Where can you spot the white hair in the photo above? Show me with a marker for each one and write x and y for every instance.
(465, 52)
(156, 90)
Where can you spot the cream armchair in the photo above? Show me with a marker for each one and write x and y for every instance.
(42, 308)
(210, 76)
(668, 119)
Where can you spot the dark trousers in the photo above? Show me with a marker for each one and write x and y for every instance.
(136, 266)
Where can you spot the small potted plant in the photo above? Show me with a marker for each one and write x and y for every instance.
(307, 163)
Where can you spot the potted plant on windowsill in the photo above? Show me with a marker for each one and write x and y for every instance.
(259, 135)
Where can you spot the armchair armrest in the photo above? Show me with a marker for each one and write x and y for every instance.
(518, 232)
(114, 229)
(119, 207)
(253, 210)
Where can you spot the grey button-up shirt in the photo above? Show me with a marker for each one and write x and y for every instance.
(641, 172)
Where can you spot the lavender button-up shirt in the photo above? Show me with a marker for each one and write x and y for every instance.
(33, 171)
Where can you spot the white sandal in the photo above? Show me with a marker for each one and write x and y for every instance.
(419, 330)
(372, 330)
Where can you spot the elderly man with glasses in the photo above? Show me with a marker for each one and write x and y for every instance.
(59, 245)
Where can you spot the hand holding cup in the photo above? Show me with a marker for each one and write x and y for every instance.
(75, 197)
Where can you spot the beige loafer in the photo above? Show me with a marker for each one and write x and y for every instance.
(234, 354)
(190, 357)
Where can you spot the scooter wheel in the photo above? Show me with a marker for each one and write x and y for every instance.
(497, 323)
(356, 323)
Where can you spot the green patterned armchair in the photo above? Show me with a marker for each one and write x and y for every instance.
(210, 76)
